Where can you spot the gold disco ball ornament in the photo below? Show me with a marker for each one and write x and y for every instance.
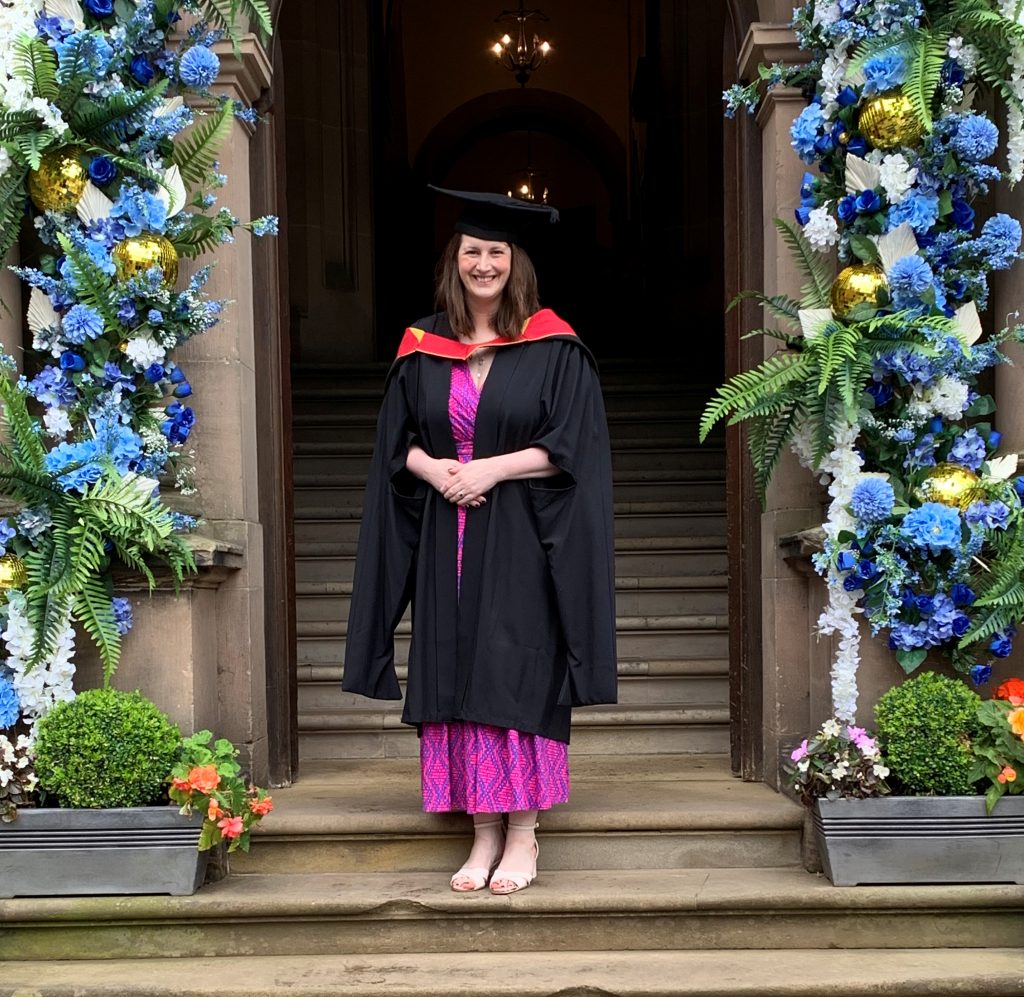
(12, 573)
(58, 183)
(949, 484)
(137, 254)
(888, 121)
(859, 284)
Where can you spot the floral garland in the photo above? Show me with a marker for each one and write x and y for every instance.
(109, 133)
(924, 535)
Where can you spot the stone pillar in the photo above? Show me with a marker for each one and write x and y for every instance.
(12, 309)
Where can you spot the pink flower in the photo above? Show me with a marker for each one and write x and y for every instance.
(230, 827)
(855, 734)
(865, 744)
(800, 752)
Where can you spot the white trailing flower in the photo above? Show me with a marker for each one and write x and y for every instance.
(144, 352)
(821, 229)
(49, 682)
(57, 423)
(833, 74)
(896, 176)
(16, 18)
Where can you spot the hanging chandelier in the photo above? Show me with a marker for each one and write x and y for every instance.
(526, 188)
(518, 55)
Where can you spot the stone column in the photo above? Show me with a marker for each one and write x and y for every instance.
(12, 309)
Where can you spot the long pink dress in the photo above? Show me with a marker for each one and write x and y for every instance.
(476, 767)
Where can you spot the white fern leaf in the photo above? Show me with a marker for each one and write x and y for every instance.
(1002, 468)
(93, 205)
(70, 10)
(170, 105)
(172, 191)
(861, 175)
(970, 323)
(813, 320)
(896, 245)
(41, 313)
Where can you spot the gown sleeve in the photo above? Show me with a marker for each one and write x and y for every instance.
(385, 555)
(574, 516)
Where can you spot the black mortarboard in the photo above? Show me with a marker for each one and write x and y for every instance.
(496, 216)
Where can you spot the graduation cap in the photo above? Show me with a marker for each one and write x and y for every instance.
(497, 217)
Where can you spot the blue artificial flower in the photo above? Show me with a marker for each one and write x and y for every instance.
(142, 70)
(852, 583)
(880, 391)
(884, 71)
(936, 425)
(980, 674)
(961, 624)
(199, 67)
(56, 29)
(999, 241)
(868, 202)
(10, 705)
(154, 373)
(126, 312)
(992, 515)
(963, 215)
(51, 387)
(82, 323)
(179, 424)
(909, 279)
(968, 450)
(100, 8)
(1002, 644)
(32, 523)
(114, 377)
(267, 225)
(857, 146)
(77, 464)
(183, 390)
(154, 316)
(805, 131)
(923, 454)
(961, 594)
(924, 604)
(123, 616)
(921, 210)
(71, 361)
(932, 526)
(7, 534)
(139, 210)
(177, 376)
(846, 97)
(872, 500)
(101, 171)
(994, 439)
(802, 215)
(975, 138)
(83, 52)
(867, 570)
(847, 208)
(845, 560)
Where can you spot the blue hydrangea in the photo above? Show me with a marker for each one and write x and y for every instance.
(32, 523)
(914, 368)
(79, 464)
(10, 705)
(968, 450)
(139, 211)
(84, 52)
(7, 534)
(199, 67)
(82, 323)
(51, 387)
(923, 454)
(933, 527)
(123, 615)
(884, 71)
(872, 500)
(920, 209)
(975, 138)
(909, 278)
(992, 515)
(805, 131)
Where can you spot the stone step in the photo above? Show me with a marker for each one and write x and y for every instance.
(647, 524)
(705, 557)
(711, 490)
(326, 600)
(597, 730)
(672, 811)
(626, 910)
(907, 972)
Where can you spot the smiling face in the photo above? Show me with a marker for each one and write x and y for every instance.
(484, 269)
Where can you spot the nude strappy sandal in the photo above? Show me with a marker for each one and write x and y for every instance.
(513, 882)
(477, 875)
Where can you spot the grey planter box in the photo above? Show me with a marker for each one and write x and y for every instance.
(921, 839)
(52, 852)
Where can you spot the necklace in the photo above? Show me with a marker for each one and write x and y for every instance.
(478, 361)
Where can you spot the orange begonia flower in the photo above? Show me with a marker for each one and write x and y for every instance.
(262, 807)
(1016, 719)
(182, 785)
(215, 811)
(204, 778)
(1010, 773)
(1012, 690)
(230, 827)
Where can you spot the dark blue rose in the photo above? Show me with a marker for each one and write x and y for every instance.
(857, 146)
(173, 17)
(847, 208)
(868, 202)
(846, 97)
(952, 73)
(807, 189)
(924, 604)
(980, 674)
(963, 215)
(845, 561)
(154, 372)
(935, 426)
(880, 391)
(71, 361)
(823, 144)
(1018, 487)
(1001, 646)
(867, 570)
(141, 69)
(100, 8)
(962, 595)
(851, 583)
(102, 171)
(838, 133)
(961, 624)
(907, 598)
(994, 439)
(183, 390)
(803, 215)
(868, 548)
(177, 375)
(126, 311)
(957, 288)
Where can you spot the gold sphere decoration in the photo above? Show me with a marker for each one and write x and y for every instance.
(12, 573)
(137, 254)
(58, 183)
(950, 484)
(888, 121)
(859, 284)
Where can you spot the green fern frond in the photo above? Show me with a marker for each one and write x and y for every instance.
(230, 15)
(26, 444)
(816, 293)
(94, 610)
(91, 119)
(32, 145)
(780, 305)
(201, 235)
(196, 150)
(924, 74)
(766, 440)
(36, 64)
(92, 285)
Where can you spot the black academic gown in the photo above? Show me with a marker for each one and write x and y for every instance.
(532, 632)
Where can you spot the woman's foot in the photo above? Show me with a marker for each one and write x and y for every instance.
(518, 866)
(488, 843)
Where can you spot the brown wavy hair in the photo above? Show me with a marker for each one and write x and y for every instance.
(519, 298)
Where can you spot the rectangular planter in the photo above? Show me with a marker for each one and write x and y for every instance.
(920, 839)
(52, 852)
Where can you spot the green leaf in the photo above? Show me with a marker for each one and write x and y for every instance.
(196, 150)
(816, 293)
(982, 405)
(864, 248)
(909, 660)
(924, 73)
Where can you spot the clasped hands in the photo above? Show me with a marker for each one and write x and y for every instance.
(464, 484)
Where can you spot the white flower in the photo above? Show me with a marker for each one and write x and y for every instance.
(821, 229)
(825, 14)
(804, 765)
(880, 770)
(57, 423)
(897, 176)
(831, 728)
(953, 46)
(5, 160)
(841, 771)
(49, 682)
(946, 397)
(144, 352)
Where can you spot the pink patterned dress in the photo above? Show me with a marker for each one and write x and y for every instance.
(475, 767)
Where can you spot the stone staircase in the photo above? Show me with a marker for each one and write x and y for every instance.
(671, 584)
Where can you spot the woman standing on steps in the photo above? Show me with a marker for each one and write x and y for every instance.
(489, 507)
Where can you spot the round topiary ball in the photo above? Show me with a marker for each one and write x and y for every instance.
(106, 748)
(926, 725)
